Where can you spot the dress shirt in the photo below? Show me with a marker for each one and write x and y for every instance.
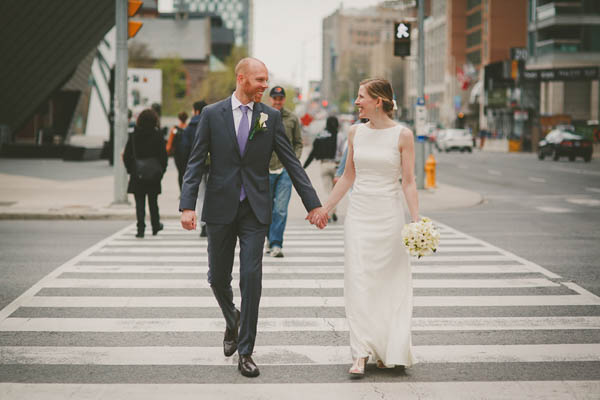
(237, 112)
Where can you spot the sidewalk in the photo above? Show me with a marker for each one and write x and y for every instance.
(55, 189)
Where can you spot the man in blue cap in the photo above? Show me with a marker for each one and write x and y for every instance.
(281, 185)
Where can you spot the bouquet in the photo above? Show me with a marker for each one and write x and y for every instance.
(421, 238)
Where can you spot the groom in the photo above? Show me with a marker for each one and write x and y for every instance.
(240, 133)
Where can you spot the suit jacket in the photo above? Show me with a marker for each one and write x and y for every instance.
(229, 169)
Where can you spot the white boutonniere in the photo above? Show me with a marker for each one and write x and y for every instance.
(261, 125)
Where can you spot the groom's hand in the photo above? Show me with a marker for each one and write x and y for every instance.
(318, 216)
(188, 219)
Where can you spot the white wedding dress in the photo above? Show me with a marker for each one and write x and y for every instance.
(377, 275)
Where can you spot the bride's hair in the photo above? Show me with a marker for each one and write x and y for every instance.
(379, 87)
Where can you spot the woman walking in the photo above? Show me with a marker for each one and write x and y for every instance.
(146, 143)
(377, 275)
(325, 149)
(177, 146)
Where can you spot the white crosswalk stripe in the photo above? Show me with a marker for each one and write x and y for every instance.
(476, 306)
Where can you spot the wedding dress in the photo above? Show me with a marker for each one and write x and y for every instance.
(377, 275)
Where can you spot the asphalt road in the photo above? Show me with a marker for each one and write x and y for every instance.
(29, 250)
(139, 311)
(545, 211)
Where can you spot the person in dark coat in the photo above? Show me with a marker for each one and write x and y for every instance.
(148, 143)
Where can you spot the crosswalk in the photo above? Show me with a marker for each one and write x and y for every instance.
(132, 318)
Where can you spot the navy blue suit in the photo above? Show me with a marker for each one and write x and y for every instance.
(228, 219)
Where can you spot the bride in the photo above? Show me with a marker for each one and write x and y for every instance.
(377, 275)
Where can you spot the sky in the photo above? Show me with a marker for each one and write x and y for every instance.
(287, 36)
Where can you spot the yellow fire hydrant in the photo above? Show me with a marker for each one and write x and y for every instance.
(430, 172)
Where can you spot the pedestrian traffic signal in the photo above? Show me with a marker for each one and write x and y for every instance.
(402, 36)
(133, 27)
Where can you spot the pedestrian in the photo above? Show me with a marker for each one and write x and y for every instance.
(377, 275)
(240, 133)
(158, 110)
(325, 149)
(187, 142)
(177, 148)
(279, 179)
(145, 159)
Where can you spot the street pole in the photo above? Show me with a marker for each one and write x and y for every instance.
(420, 145)
(120, 101)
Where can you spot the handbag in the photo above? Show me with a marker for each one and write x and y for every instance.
(146, 169)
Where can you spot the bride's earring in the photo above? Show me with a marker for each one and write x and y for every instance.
(376, 108)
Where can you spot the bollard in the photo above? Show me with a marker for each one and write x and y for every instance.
(430, 172)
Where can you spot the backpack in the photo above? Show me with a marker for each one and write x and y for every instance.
(178, 139)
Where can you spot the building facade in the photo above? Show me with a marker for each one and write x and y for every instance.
(236, 15)
(564, 37)
(461, 37)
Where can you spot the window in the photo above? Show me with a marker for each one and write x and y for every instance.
(472, 3)
(474, 19)
(473, 39)
(474, 57)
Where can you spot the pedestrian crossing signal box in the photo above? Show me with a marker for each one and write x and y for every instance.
(402, 36)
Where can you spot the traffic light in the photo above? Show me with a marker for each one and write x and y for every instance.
(133, 6)
(402, 36)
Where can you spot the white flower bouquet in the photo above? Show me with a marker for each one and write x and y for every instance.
(421, 238)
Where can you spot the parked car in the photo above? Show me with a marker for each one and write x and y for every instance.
(561, 143)
(454, 139)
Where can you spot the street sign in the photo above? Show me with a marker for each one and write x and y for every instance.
(420, 119)
(420, 101)
(518, 54)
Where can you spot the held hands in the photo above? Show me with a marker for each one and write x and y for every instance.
(318, 216)
(188, 219)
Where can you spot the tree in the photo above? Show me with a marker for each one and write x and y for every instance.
(218, 85)
(140, 55)
(174, 85)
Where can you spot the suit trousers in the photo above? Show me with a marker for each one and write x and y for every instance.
(222, 239)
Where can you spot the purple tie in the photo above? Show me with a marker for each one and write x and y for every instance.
(242, 137)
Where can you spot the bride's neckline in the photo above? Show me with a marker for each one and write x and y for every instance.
(380, 129)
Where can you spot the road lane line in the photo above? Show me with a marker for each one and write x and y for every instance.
(290, 355)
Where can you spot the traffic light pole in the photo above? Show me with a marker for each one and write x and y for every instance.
(420, 145)
(120, 101)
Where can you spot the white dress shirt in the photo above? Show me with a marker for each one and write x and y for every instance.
(237, 112)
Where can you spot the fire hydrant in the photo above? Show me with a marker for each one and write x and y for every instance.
(430, 172)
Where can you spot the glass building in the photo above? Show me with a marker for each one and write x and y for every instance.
(236, 15)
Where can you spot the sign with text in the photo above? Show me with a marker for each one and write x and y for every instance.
(562, 74)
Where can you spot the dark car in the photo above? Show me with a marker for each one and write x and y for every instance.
(560, 143)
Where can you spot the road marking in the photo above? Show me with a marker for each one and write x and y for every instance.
(301, 250)
(311, 301)
(584, 201)
(285, 260)
(308, 269)
(287, 324)
(494, 172)
(293, 284)
(593, 189)
(556, 210)
(290, 355)
(536, 180)
(533, 390)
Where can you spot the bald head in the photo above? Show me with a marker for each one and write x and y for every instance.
(252, 79)
(245, 65)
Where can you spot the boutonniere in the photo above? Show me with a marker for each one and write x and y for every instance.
(260, 125)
